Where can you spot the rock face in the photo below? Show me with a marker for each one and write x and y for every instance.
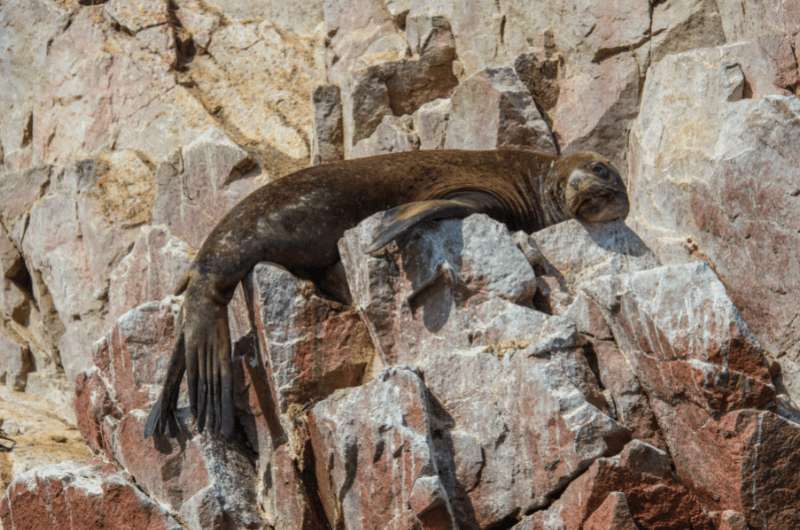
(539, 384)
(639, 375)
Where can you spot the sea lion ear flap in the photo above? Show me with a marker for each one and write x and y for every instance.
(400, 219)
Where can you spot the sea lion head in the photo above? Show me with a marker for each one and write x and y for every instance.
(593, 190)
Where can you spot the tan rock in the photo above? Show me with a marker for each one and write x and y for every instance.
(685, 25)
(540, 71)
(38, 435)
(81, 110)
(597, 103)
(400, 87)
(137, 15)
(430, 123)
(28, 26)
(16, 362)
(255, 78)
(748, 19)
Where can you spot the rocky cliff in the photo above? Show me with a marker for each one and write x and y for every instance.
(638, 375)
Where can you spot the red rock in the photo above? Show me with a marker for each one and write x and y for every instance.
(655, 498)
(710, 387)
(80, 496)
(93, 405)
(134, 354)
(613, 514)
(190, 475)
(171, 473)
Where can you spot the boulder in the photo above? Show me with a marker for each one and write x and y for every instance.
(492, 109)
(152, 270)
(643, 476)
(88, 496)
(711, 179)
(200, 183)
(375, 462)
(328, 139)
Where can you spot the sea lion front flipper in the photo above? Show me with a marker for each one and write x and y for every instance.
(401, 218)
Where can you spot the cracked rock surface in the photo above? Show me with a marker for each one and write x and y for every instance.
(642, 374)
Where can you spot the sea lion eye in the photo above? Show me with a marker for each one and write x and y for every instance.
(601, 170)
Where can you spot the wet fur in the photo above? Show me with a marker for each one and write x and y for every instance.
(297, 221)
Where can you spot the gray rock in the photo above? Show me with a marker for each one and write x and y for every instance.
(498, 446)
(492, 109)
(430, 123)
(578, 253)
(391, 136)
(328, 136)
(454, 284)
(374, 454)
(16, 362)
(311, 345)
(199, 184)
(700, 161)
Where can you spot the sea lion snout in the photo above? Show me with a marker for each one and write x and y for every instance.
(594, 190)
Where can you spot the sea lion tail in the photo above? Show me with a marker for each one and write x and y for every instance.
(163, 418)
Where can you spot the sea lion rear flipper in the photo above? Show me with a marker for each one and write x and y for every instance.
(401, 218)
(214, 406)
(163, 415)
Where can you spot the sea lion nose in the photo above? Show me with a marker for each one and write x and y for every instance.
(577, 179)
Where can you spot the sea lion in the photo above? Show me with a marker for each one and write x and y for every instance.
(296, 222)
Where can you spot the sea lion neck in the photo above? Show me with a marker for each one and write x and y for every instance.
(551, 193)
